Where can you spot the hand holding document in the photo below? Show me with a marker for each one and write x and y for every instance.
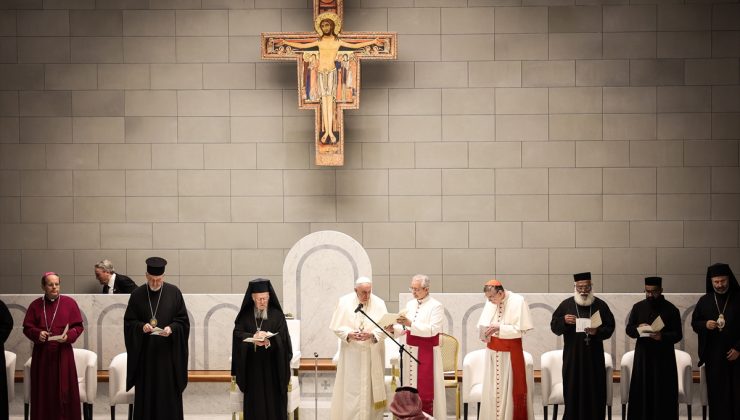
(257, 340)
(647, 330)
(483, 334)
(390, 318)
(60, 337)
(593, 322)
(157, 331)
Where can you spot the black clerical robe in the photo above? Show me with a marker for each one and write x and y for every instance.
(584, 376)
(654, 384)
(723, 376)
(6, 326)
(262, 373)
(157, 365)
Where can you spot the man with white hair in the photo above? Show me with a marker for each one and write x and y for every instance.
(359, 389)
(584, 377)
(111, 281)
(420, 326)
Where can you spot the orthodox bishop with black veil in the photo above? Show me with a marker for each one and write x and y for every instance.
(156, 331)
(584, 376)
(654, 384)
(716, 319)
(262, 367)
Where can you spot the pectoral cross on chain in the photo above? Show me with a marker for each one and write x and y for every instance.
(329, 71)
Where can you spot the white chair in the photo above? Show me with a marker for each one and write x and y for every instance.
(683, 369)
(472, 380)
(236, 397)
(10, 358)
(87, 378)
(117, 386)
(552, 381)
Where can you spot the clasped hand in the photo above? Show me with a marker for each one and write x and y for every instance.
(360, 336)
(44, 336)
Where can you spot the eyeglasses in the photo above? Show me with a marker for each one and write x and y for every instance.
(416, 289)
(583, 288)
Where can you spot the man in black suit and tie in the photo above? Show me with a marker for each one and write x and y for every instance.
(112, 282)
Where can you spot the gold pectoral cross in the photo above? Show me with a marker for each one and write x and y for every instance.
(329, 71)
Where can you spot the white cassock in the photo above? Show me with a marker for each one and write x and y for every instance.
(514, 319)
(426, 319)
(359, 389)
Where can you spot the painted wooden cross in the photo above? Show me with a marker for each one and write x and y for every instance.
(329, 71)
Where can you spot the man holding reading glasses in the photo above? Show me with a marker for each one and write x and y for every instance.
(53, 322)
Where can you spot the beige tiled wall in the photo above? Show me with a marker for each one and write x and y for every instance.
(522, 139)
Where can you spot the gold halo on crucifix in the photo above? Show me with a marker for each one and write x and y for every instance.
(332, 17)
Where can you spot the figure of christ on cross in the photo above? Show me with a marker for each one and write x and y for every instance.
(328, 71)
(328, 44)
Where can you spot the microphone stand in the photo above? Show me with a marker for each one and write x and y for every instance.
(316, 385)
(401, 347)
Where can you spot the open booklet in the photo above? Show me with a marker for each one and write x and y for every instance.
(157, 331)
(60, 336)
(390, 318)
(593, 322)
(255, 340)
(656, 326)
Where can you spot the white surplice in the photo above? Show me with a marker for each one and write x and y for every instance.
(427, 320)
(359, 389)
(514, 319)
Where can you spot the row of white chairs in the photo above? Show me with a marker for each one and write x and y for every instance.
(552, 380)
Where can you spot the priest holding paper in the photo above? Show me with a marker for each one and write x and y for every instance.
(53, 322)
(656, 324)
(156, 328)
(584, 321)
(420, 325)
(261, 352)
(359, 389)
(502, 324)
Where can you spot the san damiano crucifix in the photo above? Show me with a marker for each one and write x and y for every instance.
(329, 71)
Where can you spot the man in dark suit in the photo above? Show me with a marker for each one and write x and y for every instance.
(112, 282)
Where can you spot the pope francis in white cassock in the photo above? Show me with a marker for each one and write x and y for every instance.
(359, 389)
(502, 324)
(420, 327)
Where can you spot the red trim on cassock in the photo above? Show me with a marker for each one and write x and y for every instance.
(425, 374)
(514, 348)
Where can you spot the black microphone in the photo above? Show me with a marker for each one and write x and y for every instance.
(358, 308)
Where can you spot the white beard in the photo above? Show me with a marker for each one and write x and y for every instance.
(581, 301)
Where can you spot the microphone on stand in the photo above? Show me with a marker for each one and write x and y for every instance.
(316, 385)
(358, 308)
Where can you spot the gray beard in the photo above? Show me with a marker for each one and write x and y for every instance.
(722, 292)
(260, 314)
(581, 301)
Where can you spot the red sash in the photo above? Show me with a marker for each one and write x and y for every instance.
(425, 379)
(514, 348)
